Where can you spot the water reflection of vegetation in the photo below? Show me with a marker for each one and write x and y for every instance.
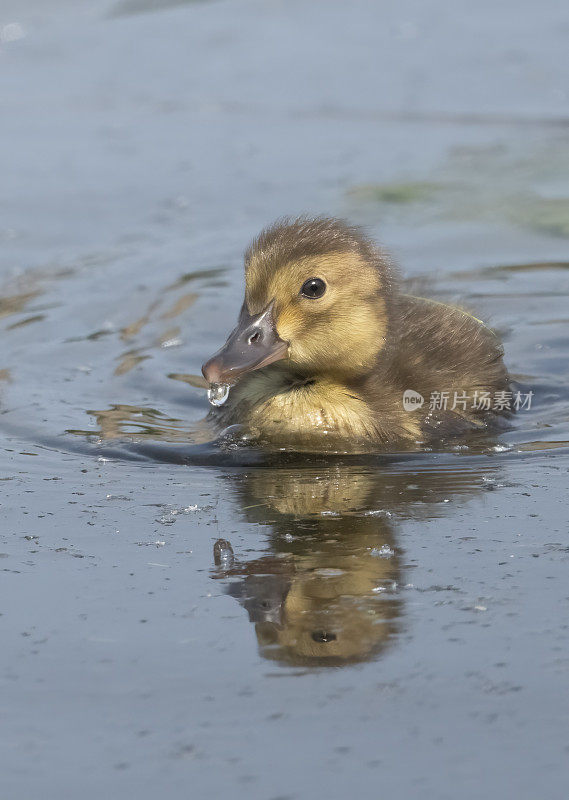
(485, 184)
(329, 590)
(147, 332)
(16, 303)
(121, 420)
(126, 422)
(127, 8)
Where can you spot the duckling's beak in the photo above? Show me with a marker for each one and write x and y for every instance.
(253, 344)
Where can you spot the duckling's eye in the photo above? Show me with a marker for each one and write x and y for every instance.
(313, 288)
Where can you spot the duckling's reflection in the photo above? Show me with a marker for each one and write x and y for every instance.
(329, 591)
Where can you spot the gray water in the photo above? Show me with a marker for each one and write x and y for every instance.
(206, 620)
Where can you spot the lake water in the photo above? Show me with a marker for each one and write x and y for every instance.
(207, 619)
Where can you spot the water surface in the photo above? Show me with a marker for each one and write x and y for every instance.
(184, 615)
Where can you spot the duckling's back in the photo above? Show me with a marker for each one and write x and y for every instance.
(453, 361)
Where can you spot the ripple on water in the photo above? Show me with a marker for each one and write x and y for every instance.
(158, 406)
(330, 586)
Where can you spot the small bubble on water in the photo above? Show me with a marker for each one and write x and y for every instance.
(385, 551)
(382, 588)
(329, 572)
(169, 517)
(11, 32)
(378, 512)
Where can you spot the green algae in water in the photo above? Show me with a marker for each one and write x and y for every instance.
(396, 193)
(493, 184)
(550, 215)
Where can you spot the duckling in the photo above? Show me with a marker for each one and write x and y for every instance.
(327, 345)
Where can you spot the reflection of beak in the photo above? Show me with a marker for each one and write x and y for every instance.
(253, 344)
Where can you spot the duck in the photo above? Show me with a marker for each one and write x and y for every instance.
(328, 349)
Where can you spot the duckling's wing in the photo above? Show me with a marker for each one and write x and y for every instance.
(443, 348)
(448, 344)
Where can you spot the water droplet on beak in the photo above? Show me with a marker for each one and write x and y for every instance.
(218, 393)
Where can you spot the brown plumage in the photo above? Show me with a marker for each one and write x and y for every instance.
(327, 344)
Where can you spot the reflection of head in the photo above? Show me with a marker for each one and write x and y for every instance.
(328, 595)
(327, 591)
(337, 607)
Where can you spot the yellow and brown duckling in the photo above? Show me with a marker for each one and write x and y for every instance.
(327, 345)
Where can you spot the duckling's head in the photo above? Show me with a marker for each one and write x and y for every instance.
(317, 294)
